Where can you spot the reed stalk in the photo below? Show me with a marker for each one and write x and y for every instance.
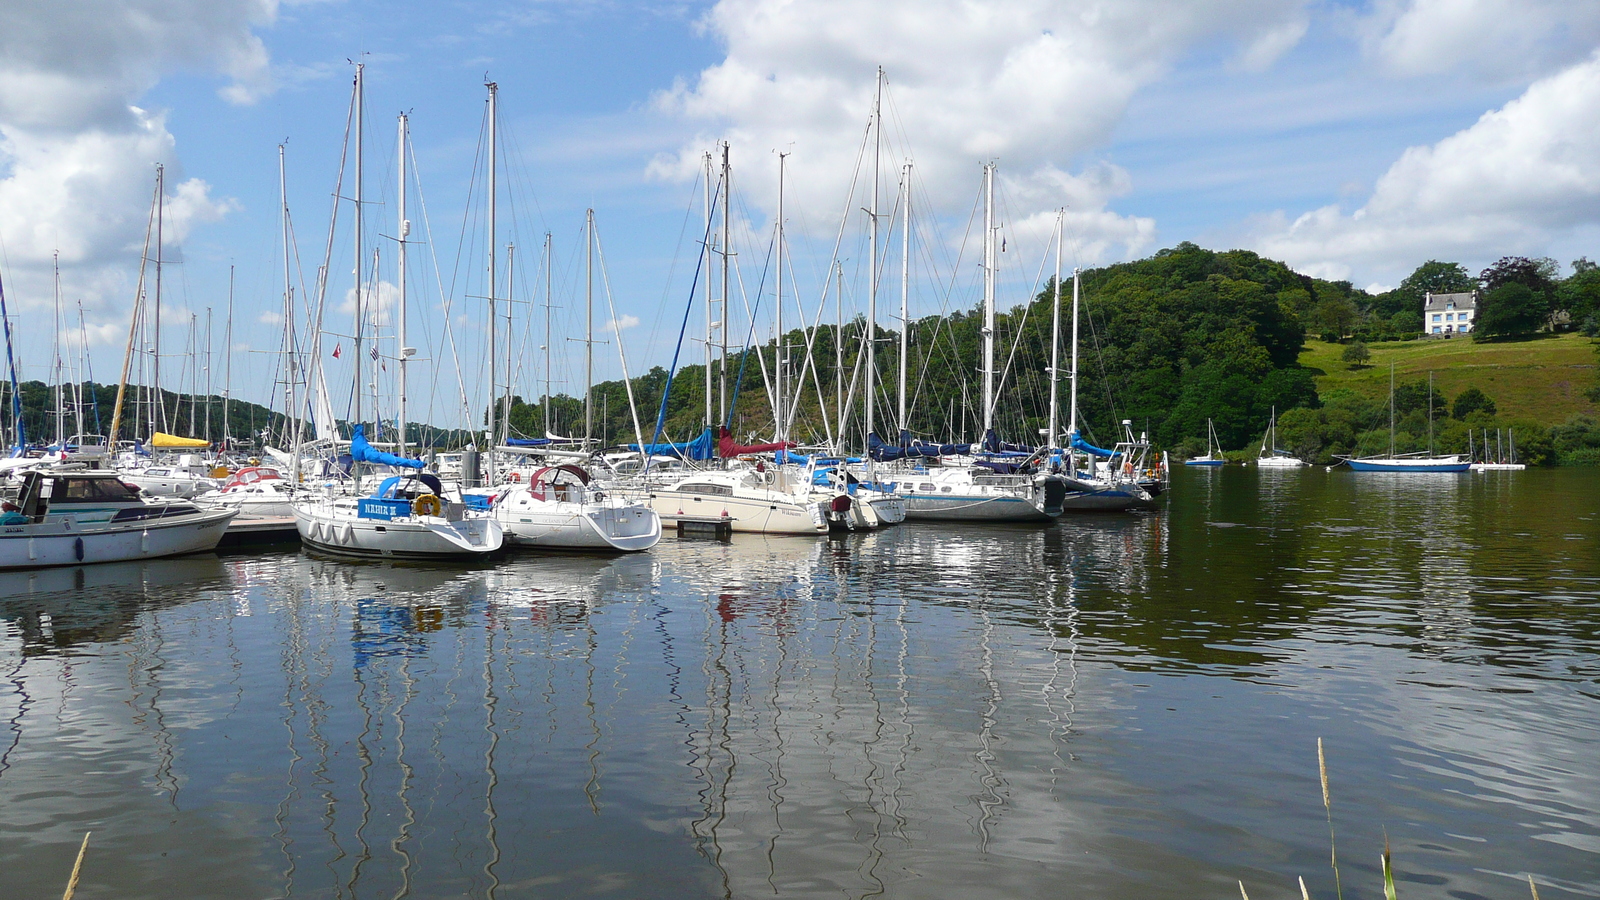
(1327, 804)
(1388, 871)
(1241, 890)
(1304, 894)
(1533, 887)
(77, 867)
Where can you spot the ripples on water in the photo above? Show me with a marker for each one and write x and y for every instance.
(1109, 707)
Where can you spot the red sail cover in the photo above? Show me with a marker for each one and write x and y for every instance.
(726, 446)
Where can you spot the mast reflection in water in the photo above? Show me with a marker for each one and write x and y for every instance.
(1116, 706)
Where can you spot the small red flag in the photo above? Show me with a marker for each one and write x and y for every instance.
(337, 349)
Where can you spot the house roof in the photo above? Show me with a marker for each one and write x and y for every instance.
(1467, 300)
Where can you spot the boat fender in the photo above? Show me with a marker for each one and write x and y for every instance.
(349, 534)
(144, 542)
(427, 505)
(77, 549)
(516, 477)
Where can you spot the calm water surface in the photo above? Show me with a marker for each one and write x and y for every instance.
(1114, 707)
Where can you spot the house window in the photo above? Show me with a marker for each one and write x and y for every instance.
(1449, 317)
(1436, 328)
(1436, 318)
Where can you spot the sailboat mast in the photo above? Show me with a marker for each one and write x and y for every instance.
(988, 297)
(1391, 409)
(905, 304)
(549, 262)
(490, 429)
(710, 309)
(727, 252)
(1055, 335)
(227, 359)
(588, 328)
(511, 284)
(158, 421)
(778, 397)
(291, 359)
(871, 332)
(355, 359)
(400, 280)
(55, 352)
(838, 354)
(1072, 376)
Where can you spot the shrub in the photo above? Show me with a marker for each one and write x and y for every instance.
(1356, 353)
(1470, 401)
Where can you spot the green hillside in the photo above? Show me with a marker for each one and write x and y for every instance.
(1543, 380)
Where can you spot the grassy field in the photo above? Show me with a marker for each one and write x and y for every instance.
(1543, 380)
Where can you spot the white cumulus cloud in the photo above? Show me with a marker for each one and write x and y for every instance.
(1036, 84)
(1492, 38)
(78, 154)
(1517, 177)
(622, 322)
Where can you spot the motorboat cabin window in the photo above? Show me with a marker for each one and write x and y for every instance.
(944, 490)
(90, 490)
(926, 486)
(717, 490)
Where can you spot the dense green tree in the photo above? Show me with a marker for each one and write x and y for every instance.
(1356, 353)
(1579, 295)
(1470, 401)
(1510, 309)
(1415, 396)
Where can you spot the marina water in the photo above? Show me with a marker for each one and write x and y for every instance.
(1112, 706)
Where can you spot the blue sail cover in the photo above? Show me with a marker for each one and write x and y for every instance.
(909, 449)
(1082, 446)
(361, 451)
(993, 444)
(528, 442)
(702, 447)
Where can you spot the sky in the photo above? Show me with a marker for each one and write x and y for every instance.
(1353, 140)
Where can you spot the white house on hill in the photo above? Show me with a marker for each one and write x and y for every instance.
(1446, 314)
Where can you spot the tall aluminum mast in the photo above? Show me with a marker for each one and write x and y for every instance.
(355, 358)
(988, 297)
(588, 328)
(905, 301)
(549, 262)
(710, 309)
(158, 421)
(490, 431)
(400, 279)
(871, 331)
(727, 254)
(778, 396)
(1072, 417)
(1055, 335)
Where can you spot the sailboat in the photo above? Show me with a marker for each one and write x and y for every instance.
(1409, 462)
(1270, 456)
(988, 481)
(1213, 454)
(1497, 460)
(553, 505)
(407, 516)
(1100, 480)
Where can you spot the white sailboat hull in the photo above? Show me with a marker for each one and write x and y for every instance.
(562, 525)
(749, 515)
(334, 527)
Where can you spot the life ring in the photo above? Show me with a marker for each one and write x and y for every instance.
(516, 478)
(427, 505)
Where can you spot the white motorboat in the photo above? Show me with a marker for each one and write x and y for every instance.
(71, 518)
(558, 508)
(186, 477)
(408, 517)
(255, 491)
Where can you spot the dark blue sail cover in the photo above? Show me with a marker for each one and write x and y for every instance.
(702, 447)
(1082, 446)
(993, 444)
(910, 449)
(527, 442)
(361, 451)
